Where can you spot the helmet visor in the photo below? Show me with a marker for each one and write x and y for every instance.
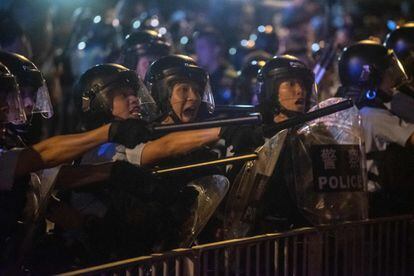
(43, 104)
(140, 103)
(394, 74)
(11, 108)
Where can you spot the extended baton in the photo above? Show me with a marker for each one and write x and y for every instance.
(218, 162)
(235, 108)
(311, 116)
(247, 120)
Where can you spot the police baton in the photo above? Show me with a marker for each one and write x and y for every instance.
(245, 108)
(295, 121)
(218, 162)
(247, 120)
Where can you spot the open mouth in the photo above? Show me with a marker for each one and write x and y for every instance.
(300, 101)
(135, 112)
(189, 112)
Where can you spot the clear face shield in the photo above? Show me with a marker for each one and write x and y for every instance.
(35, 95)
(140, 104)
(43, 104)
(394, 75)
(11, 107)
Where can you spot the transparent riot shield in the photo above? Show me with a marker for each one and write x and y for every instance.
(38, 194)
(329, 167)
(248, 188)
(211, 191)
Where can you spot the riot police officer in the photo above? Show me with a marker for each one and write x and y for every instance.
(34, 93)
(286, 88)
(246, 83)
(163, 207)
(19, 194)
(369, 74)
(286, 85)
(141, 48)
(401, 40)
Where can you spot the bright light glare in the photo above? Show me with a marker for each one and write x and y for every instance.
(315, 47)
(184, 40)
(97, 19)
(154, 22)
(136, 24)
(81, 45)
(162, 31)
(253, 37)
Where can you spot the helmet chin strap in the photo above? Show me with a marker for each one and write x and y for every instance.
(174, 116)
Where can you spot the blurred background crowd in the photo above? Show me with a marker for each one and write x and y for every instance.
(65, 38)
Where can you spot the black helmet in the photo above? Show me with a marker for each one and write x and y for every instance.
(96, 89)
(364, 66)
(143, 43)
(168, 70)
(11, 109)
(401, 40)
(246, 82)
(28, 75)
(278, 69)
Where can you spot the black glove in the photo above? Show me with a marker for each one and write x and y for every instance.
(130, 132)
(244, 139)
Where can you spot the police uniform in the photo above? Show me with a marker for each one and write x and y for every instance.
(403, 106)
(382, 128)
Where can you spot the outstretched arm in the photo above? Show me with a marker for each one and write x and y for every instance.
(59, 149)
(177, 143)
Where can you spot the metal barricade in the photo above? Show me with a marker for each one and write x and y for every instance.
(381, 246)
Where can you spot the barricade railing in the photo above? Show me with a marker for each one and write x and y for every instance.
(381, 246)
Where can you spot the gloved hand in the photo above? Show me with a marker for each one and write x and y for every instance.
(130, 132)
(244, 139)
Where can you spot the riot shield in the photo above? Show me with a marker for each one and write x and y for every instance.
(329, 167)
(249, 186)
(211, 191)
(38, 194)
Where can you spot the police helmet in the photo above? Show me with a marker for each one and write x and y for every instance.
(275, 71)
(367, 65)
(169, 70)
(97, 87)
(401, 40)
(143, 43)
(11, 109)
(30, 78)
(246, 82)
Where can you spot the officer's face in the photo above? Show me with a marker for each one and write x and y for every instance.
(185, 101)
(125, 105)
(292, 95)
